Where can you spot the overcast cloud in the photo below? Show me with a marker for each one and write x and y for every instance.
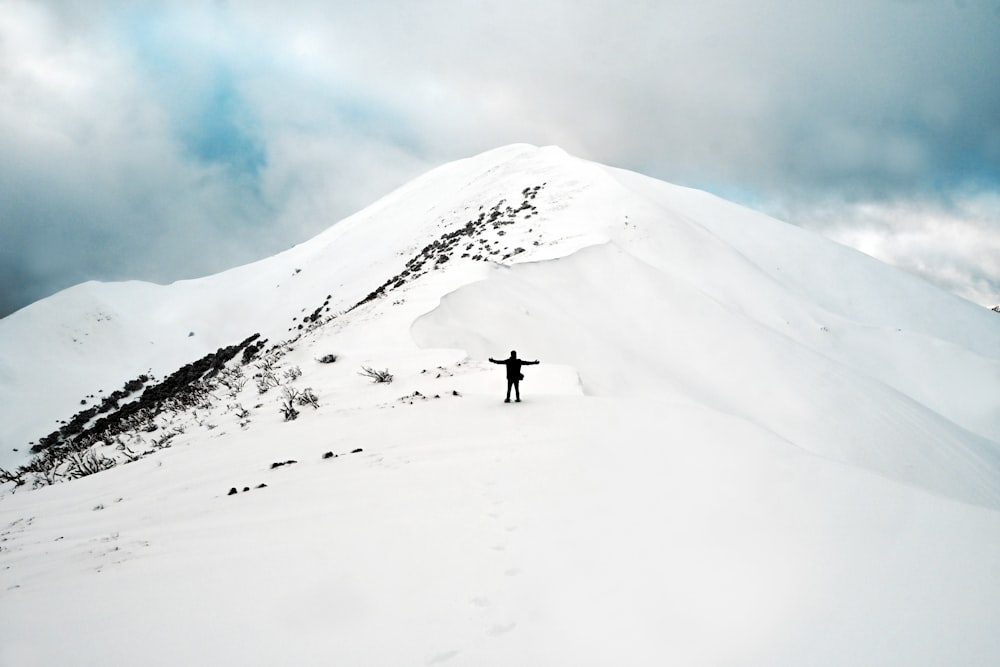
(161, 141)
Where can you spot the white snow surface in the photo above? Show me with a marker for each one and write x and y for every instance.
(745, 444)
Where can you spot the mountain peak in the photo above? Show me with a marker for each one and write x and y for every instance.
(734, 429)
(668, 280)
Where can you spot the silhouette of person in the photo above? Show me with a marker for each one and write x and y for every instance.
(514, 375)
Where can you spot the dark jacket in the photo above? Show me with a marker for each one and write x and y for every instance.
(513, 367)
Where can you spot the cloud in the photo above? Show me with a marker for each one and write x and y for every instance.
(197, 82)
(161, 142)
(126, 155)
(868, 98)
(955, 245)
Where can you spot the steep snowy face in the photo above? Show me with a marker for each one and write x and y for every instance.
(695, 299)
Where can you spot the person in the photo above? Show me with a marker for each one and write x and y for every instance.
(514, 375)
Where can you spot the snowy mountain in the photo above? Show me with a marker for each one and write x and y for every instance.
(744, 444)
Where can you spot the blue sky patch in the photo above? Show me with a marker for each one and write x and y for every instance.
(197, 86)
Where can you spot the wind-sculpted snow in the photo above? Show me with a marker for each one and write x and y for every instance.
(647, 334)
(743, 445)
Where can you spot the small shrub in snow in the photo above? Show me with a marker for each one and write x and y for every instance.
(87, 463)
(8, 476)
(242, 414)
(307, 397)
(377, 376)
(164, 440)
(327, 359)
(267, 362)
(266, 379)
(233, 380)
(289, 397)
(293, 373)
(128, 453)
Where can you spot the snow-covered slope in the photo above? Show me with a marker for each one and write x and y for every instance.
(745, 444)
(96, 336)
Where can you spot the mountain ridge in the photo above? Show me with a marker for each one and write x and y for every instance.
(464, 213)
(169, 314)
(743, 444)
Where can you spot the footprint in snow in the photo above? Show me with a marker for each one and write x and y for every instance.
(442, 657)
(500, 630)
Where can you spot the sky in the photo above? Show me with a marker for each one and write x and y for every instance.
(162, 141)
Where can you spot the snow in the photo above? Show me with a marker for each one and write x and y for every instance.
(744, 444)
(564, 530)
(94, 337)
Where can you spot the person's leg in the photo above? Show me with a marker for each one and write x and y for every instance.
(517, 390)
(509, 383)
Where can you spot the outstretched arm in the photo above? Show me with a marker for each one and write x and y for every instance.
(532, 363)
(495, 361)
